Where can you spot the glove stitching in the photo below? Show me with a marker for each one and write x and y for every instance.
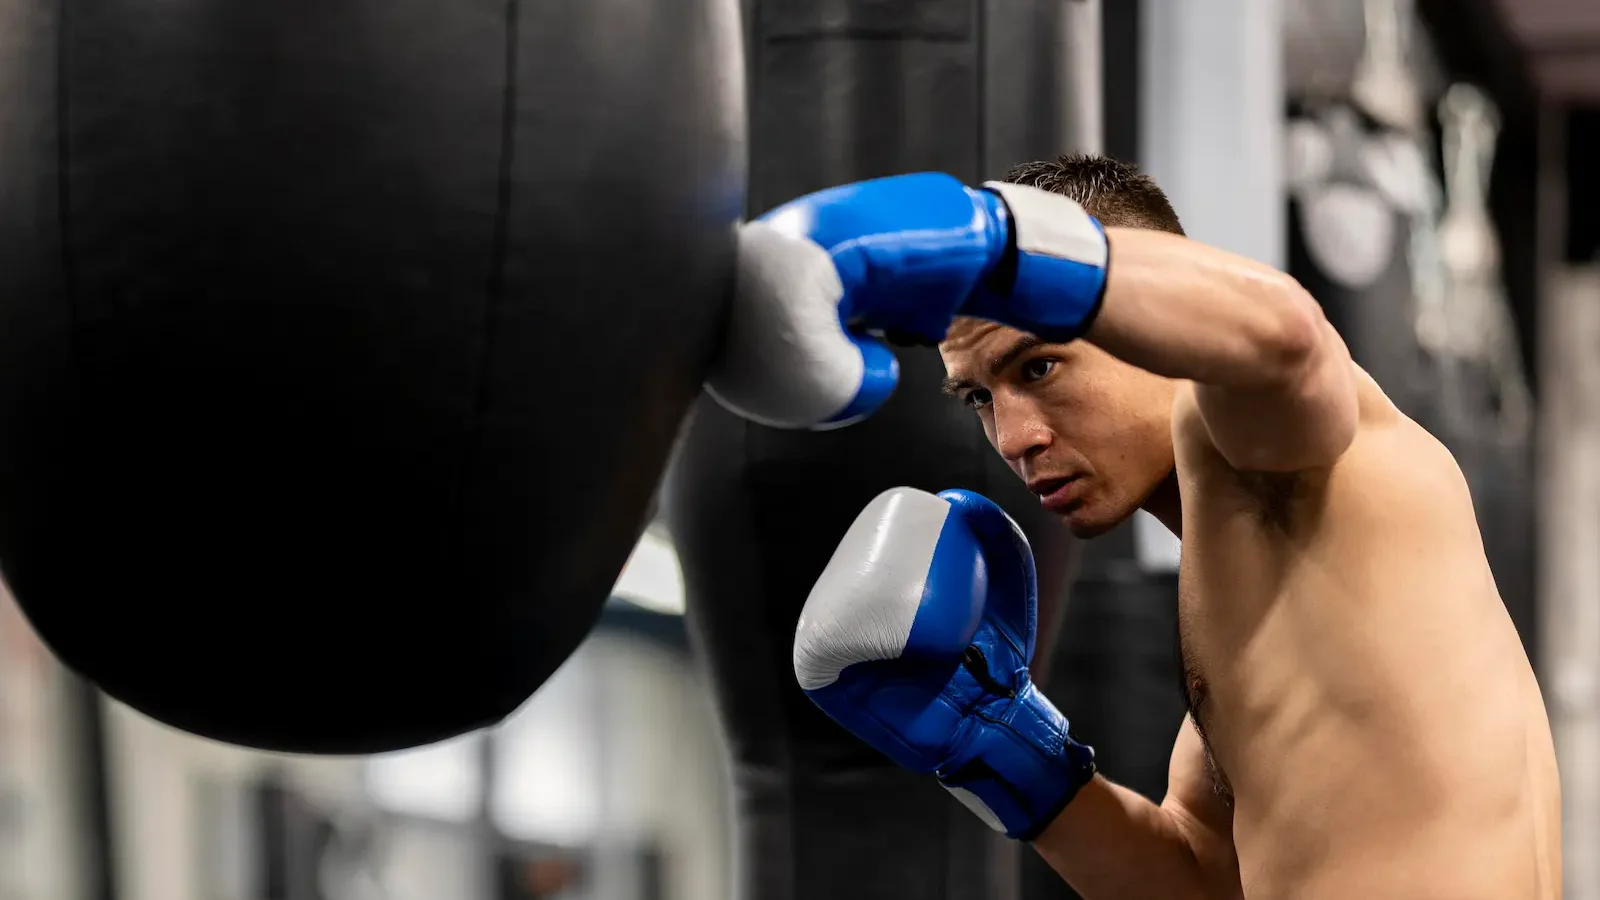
(1049, 727)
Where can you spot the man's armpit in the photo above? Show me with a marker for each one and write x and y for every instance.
(1274, 494)
(1270, 495)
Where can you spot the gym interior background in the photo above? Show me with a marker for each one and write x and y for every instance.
(1418, 163)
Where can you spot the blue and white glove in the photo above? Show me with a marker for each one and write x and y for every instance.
(820, 276)
(917, 638)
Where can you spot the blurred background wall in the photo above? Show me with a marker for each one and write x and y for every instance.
(1402, 157)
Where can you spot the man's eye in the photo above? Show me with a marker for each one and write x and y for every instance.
(977, 398)
(1035, 369)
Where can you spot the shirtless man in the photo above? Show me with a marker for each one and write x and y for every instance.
(1364, 721)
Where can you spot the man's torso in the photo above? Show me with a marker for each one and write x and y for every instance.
(1370, 711)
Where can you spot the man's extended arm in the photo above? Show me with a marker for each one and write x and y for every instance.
(820, 276)
(1111, 842)
(1274, 382)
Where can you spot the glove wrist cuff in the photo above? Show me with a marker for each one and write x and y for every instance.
(1021, 768)
(1051, 280)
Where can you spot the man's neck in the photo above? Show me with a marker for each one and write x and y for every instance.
(1166, 504)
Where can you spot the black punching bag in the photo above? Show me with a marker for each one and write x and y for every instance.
(843, 91)
(343, 342)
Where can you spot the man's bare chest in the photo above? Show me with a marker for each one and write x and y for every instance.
(1228, 644)
(1194, 653)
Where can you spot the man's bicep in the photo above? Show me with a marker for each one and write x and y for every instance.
(1296, 426)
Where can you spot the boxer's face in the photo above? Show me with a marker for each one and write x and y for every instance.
(1088, 433)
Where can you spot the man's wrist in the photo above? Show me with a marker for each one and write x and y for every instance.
(1076, 768)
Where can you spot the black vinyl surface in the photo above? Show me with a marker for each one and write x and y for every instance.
(342, 344)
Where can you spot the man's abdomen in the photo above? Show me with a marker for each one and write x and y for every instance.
(1436, 785)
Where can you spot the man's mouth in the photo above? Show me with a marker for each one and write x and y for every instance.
(1056, 495)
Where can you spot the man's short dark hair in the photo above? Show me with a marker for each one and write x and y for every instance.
(1116, 193)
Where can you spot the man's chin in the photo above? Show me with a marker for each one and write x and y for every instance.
(1086, 522)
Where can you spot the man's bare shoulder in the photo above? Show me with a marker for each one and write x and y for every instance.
(1396, 466)
(1390, 454)
(1390, 447)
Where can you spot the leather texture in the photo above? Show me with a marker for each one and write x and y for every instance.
(918, 637)
(821, 276)
(288, 293)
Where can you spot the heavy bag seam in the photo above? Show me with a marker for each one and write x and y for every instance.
(494, 290)
(63, 170)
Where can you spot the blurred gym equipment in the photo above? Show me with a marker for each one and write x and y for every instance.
(1485, 408)
(1406, 263)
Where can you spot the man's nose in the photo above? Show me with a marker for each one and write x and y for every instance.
(1019, 430)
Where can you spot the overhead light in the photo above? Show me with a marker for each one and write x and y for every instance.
(652, 579)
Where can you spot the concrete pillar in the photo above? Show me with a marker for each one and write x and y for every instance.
(1212, 135)
(1569, 601)
(1213, 119)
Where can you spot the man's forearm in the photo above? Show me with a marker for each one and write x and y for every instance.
(1274, 383)
(1182, 309)
(1113, 844)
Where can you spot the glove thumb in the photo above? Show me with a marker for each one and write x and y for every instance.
(906, 582)
(787, 360)
(1013, 595)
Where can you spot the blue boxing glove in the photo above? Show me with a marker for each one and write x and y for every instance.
(821, 277)
(917, 638)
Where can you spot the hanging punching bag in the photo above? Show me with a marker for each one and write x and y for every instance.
(304, 441)
(1485, 411)
(1358, 192)
(1414, 286)
(843, 91)
(1362, 204)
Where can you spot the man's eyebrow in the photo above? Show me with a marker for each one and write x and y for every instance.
(955, 385)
